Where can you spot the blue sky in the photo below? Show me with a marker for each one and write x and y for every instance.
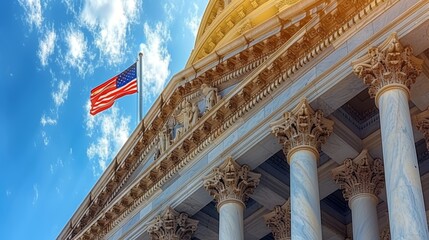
(52, 53)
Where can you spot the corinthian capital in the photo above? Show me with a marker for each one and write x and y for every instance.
(302, 127)
(172, 225)
(230, 181)
(389, 64)
(279, 221)
(360, 175)
(422, 124)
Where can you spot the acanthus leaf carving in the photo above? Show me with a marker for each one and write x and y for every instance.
(172, 225)
(422, 124)
(390, 63)
(279, 221)
(302, 127)
(360, 175)
(230, 181)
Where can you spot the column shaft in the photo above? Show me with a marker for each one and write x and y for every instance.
(364, 216)
(404, 191)
(305, 203)
(231, 221)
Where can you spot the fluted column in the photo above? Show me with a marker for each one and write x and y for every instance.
(279, 221)
(172, 225)
(301, 132)
(361, 180)
(389, 71)
(422, 124)
(230, 185)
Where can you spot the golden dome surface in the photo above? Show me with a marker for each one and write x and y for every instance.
(225, 20)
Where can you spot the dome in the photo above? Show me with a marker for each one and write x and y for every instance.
(225, 20)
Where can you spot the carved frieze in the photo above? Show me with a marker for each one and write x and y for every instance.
(211, 96)
(279, 221)
(230, 181)
(388, 64)
(302, 127)
(172, 225)
(360, 175)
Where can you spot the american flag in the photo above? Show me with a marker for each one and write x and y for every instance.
(103, 96)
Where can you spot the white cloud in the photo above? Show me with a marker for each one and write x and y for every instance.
(61, 94)
(193, 22)
(33, 12)
(45, 120)
(47, 46)
(56, 165)
(112, 130)
(36, 194)
(169, 9)
(70, 5)
(59, 97)
(109, 22)
(45, 138)
(156, 59)
(77, 49)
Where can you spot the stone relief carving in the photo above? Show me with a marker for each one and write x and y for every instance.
(172, 225)
(186, 117)
(302, 126)
(390, 63)
(231, 181)
(164, 141)
(211, 95)
(278, 221)
(360, 175)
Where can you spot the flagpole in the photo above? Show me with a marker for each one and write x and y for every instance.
(140, 86)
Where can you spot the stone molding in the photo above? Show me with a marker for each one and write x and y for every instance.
(361, 175)
(388, 65)
(100, 216)
(302, 127)
(279, 221)
(230, 181)
(172, 225)
(421, 121)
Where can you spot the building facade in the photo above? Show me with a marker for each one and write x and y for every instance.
(291, 120)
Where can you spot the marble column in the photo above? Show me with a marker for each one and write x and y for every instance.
(301, 132)
(172, 225)
(230, 185)
(361, 180)
(389, 71)
(422, 124)
(279, 221)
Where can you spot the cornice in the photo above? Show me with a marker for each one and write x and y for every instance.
(305, 44)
